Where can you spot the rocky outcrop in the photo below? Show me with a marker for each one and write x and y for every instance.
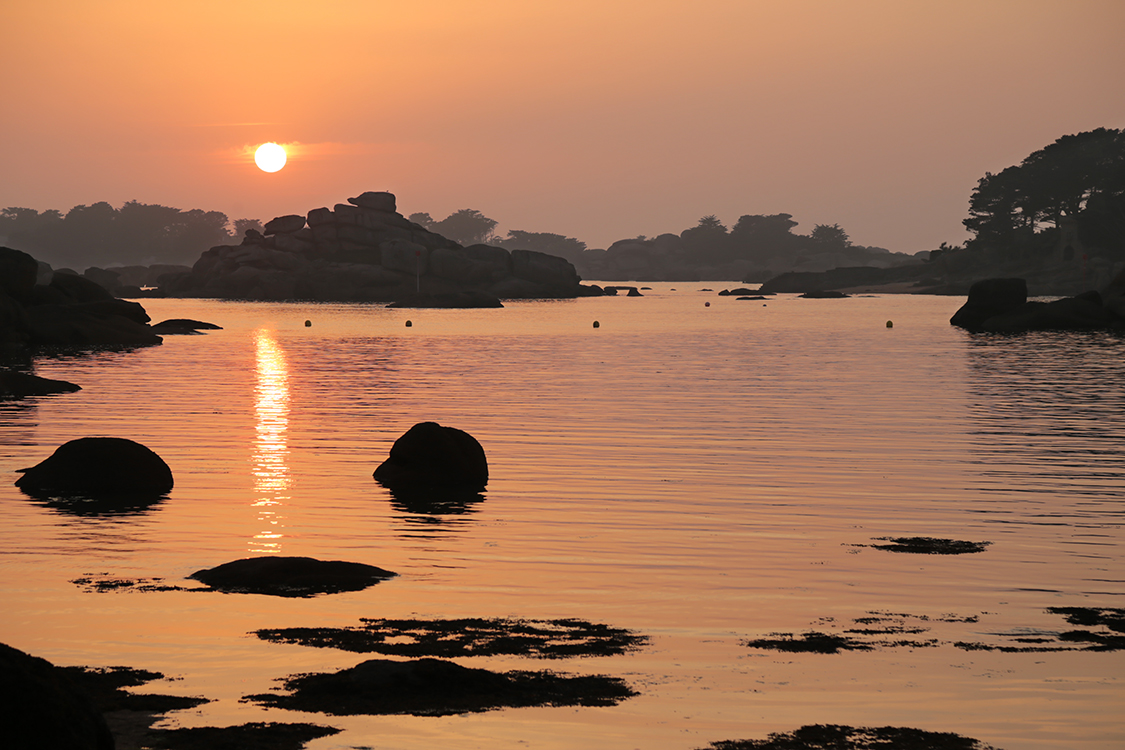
(1001, 306)
(14, 384)
(41, 708)
(430, 455)
(291, 576)
(365, 251)
(99, 466)
(39, 307)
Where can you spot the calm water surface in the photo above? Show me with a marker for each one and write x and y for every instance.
(702, 475)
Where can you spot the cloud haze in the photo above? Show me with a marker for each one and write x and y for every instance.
(594, 119)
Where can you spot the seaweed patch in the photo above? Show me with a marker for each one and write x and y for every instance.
(837, 737)
(545, 639)
(926, 545)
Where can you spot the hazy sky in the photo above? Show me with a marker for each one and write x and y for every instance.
(597, 119)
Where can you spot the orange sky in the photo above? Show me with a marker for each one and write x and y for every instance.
(597, 119)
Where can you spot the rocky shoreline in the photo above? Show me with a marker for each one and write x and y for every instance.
(365, 251)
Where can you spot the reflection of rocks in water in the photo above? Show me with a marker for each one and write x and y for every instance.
(836, 737)
(118, 504)
(435, 501)
(291, 576)
(433, 687)
(926, 545)
(1104, 633)
(547, 639)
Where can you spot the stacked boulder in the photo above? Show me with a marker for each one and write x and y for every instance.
(365, 251)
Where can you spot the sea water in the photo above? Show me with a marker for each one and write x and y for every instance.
(701, 474)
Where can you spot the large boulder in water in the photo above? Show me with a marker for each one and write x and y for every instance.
(290, 576)
(430, 455)
(988, 298)
(15, 384)
(42, 709)
(98, 466)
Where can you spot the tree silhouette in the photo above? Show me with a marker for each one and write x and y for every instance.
(465, 227)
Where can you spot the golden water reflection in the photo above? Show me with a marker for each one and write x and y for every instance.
(271, 450)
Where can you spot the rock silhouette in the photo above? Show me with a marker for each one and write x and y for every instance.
(39, 307)
(291, 576)
(429, 455)
(99, 466)
(15, 384)
(41, 708)
(1001, 306)
(365, 251)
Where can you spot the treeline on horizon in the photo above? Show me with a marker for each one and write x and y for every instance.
(1015, 216)
(135, 234)
(756, 247)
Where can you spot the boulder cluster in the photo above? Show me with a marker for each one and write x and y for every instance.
(365, 251)
(1001, 306)
(41, 307)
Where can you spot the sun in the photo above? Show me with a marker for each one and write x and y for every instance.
(269, 157)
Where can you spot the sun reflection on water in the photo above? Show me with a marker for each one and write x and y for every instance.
(271, 451)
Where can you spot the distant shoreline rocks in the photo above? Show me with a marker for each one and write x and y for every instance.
(1001, 306)
(365, 251)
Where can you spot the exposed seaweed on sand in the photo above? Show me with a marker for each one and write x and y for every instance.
(101, 583)
(545, 639)
(836, 737)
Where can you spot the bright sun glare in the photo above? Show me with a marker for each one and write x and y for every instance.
(269, 157)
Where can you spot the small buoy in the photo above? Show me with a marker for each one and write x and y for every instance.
(408, 324)
(308, 324)
(706, 304)
(597, 324)
(890, 324)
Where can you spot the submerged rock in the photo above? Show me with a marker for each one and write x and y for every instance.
(291, 576)
(99, 466)
(434, 687)
(430, 455)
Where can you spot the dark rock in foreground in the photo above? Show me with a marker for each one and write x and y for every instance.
(291, 576)
(836, 737)
(1001, 306)
(430, 455)
(99, 466)
(432, 687)
(15, 384)
(41, 708)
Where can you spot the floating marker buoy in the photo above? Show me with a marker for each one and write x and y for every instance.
(597, 324)
(308, 324)
(890, 324)
(706, 304)
(408, 324)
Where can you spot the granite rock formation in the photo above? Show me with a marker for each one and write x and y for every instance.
(39, 307)
(365, 251)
